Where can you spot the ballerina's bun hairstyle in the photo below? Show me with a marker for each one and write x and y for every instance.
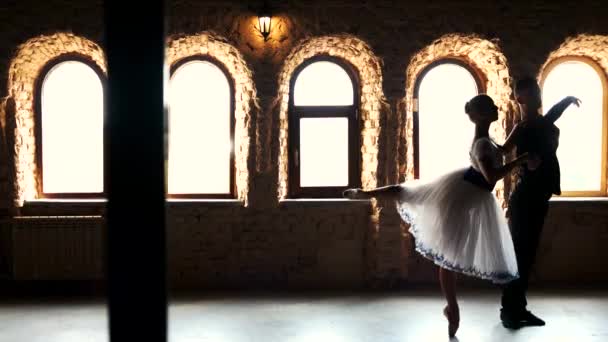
(478, 103)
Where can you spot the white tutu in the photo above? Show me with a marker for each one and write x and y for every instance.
(460, 227)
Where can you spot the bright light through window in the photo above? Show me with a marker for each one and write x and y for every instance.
(199, 130)
(580, 142)
(72, 129)
(445, 131)
(323, 84)
(324, 152)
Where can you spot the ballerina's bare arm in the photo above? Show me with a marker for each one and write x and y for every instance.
(493, 174)
(511, 139)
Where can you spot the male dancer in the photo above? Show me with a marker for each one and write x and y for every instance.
(537, 135)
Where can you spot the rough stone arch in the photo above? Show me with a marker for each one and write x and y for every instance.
(594, 47)
(24, 70)
(245, 98)
(373, 106)
(487, 59)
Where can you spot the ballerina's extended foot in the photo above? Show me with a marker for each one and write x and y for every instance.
(355, 193)
(453, 318)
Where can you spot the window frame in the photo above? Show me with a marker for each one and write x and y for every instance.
(295, 113)
(478, 77)
(233, 191)
(38, 84)
(603, 79)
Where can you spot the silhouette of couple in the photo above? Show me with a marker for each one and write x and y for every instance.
(456, 221)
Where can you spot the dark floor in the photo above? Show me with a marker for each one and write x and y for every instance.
(407, 315)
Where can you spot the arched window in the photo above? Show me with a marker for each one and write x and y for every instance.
(443, 132)
(323, 129)
(201, 126)
(70, 128)
(582, 142)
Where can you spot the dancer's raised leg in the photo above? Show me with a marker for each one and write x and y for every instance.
(389, 192)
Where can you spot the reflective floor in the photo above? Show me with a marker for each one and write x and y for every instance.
(408, 315)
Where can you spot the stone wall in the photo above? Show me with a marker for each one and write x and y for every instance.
(260, 238)
(223, 244)
(297, 245)
(24, 71)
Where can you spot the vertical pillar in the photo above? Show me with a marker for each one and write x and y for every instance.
(134, 171)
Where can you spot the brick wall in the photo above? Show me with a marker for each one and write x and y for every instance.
(297, 245)
(262, 240)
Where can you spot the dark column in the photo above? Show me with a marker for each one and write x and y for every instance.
(134, 171)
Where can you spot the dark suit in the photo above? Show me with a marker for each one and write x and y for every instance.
(529, 202)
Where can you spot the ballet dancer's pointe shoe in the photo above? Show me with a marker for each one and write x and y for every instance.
(453, 317)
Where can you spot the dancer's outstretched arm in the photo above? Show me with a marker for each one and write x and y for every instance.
(389, 192)
(552, 115)
(558, 109)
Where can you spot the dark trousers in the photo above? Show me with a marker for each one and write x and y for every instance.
(527, 211)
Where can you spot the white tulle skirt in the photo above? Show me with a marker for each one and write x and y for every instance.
(460, 227)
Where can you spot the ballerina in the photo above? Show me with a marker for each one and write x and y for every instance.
(455, 220)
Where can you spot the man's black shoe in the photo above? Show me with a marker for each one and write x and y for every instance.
(523, 319)
(509, 320)
(529, 319)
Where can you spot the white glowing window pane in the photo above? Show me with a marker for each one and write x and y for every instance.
(580, 142)
(323, 84)
(323, 152)
(445, 131)
(199, 130)
(72, 129)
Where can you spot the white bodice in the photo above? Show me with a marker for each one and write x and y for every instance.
(485, 148)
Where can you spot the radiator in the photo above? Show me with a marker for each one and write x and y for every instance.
(57, 248)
